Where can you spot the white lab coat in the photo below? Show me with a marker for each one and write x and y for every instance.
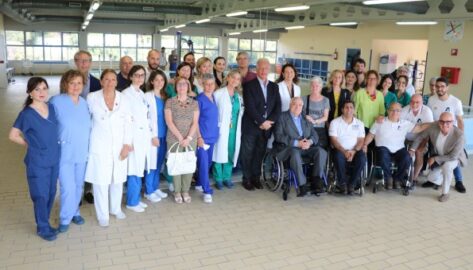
(140, 156)
(224, 104)
(110, 131)
(285, 97)
(153, 123)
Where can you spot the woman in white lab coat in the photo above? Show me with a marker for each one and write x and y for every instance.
(227, 147)
(110, 143)
(140, 156)
(288, 87)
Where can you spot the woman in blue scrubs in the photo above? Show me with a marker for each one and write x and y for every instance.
(74, 120)
(207, 135)
(36, 127)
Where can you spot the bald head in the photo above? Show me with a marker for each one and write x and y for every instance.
(153, 59)
(296, 105)
(126, 62)
(446, 122)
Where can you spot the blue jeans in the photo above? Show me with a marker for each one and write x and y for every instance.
(341, 166)
(457, 172)
(401, 158)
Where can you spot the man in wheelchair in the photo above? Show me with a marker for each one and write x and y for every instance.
(347, 135)
(389, 135)
(295, 139)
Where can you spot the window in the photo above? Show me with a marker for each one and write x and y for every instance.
(41, 46)
(110, 47)
(256, 48)
(203, 46)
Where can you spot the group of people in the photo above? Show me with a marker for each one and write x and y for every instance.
(117, 129)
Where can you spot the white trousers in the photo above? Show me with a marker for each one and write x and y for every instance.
(443, 175)
(105, 196)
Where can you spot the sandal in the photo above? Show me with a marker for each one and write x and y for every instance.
(177, 197)
(186, 197)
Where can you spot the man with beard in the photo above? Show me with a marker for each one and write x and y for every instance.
(153, 59)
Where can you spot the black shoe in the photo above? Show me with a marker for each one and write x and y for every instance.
(460, 187)
(248, 185)
(89, 197)
(428, 184)
(257, 183)
(302, 191)
(339, 190)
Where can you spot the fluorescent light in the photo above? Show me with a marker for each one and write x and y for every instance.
(83, 27)
(164, 30)
(89, 16)
(234, 33)
(95, 5)
(418, 23)
(237, 13)
(343, 23)
(260, 31)
(202, 21)
(293, 8)
(86, 23)
(379, 2)
(294, 27)
(180, 26)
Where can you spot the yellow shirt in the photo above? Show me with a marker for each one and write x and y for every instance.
(336, 97)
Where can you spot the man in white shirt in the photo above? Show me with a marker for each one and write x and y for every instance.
(389, 139)
(447, 152)
(347, 135)
(444, 102)
(417, 113)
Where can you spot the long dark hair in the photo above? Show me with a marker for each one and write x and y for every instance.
(132, 72)
(281, 76)
(217, 80)
(356, 86)
(384, 78)
(33, 82)
(150, 86)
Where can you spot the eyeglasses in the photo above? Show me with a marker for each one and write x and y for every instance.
(442, 122)
(82, 61)
(395, 110)
(139, 75)
(182, 84)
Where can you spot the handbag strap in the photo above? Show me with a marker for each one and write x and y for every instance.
(187, 149)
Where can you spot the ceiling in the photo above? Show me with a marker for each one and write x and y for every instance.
(261, 15)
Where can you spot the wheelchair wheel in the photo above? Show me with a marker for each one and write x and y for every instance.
(273, 172)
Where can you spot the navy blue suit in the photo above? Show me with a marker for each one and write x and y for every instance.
(94, 84)
(254, 140)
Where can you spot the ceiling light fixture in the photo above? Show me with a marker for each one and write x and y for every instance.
(95, 5)
(237, 13)
(380, 2)
(202, 21)
(180, 26)
(89, 16)
(234, 33)
(164, 30)
(343, 23)
(260, 31)
(418, 23)
(293, 8)
(294, 27)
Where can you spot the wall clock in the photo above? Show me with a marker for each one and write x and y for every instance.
(454, 30)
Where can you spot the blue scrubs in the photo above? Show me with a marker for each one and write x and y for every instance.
(41, 160)
(208, 126)
(74, 132)
(152, 178)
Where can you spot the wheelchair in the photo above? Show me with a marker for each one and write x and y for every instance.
(379, 183)
(277, 175)
(333, 181)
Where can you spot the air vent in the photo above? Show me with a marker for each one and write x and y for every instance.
(148, 9)
(75, 5)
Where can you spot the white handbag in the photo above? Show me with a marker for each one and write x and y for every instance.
(181, 162)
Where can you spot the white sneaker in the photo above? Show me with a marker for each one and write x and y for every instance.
(171, 187)
(120, 215)
(161, 194)
(153, 197)
(143, 205)
(103, 223)
(137, 209)
(199, 188)
(207, 198)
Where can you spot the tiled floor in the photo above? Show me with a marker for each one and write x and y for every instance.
(240, 230)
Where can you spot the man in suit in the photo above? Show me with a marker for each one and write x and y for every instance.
(262, 110)
(126, 62)
(83, 61)
(296, 139)
(448, 142)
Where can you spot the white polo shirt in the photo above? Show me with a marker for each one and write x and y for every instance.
(423, 116)
(391, 134)
(452, 104)
(346, 133)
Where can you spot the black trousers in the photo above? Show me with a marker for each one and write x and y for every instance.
(253, 148)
